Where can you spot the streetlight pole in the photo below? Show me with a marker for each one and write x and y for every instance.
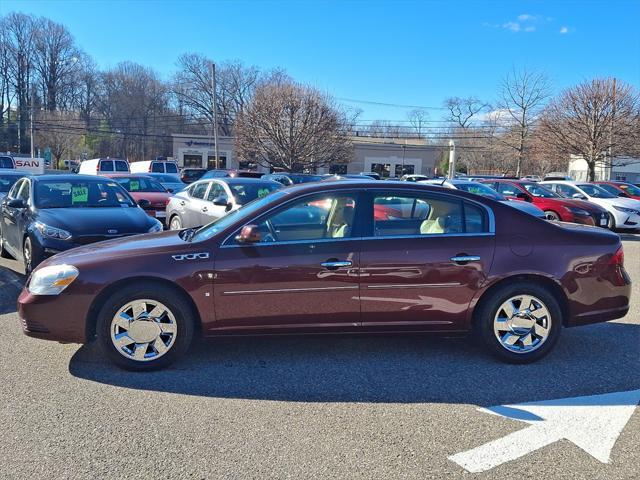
(404, 147)
(31, 125)
(452, 159)
(215, 113)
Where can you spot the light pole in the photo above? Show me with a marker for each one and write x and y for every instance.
(452, 159)
(215, 113)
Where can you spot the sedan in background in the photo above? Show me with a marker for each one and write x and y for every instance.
(453, 263)
(288, 179)
(620, 189)
(150, 195)
(486, 191)
(624, 213)
(555, 206)
(232, 174)
(414, 178)
(208, 200)
(170, 181)
(190, 175)
(47, 214)
(7, 179)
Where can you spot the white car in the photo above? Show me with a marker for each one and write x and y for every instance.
(624, 212)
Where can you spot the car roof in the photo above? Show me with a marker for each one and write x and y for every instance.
(14, 173)
(239, 180)
(565, 182)
(68, 177)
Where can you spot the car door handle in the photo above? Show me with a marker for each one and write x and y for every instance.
(182, 204)
(465, 258)
(205, 209)
(331, 265)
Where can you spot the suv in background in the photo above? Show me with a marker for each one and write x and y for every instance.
(6, 161)
(154, 166)
(101, 166)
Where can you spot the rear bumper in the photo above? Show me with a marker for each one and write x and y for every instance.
(598, 316)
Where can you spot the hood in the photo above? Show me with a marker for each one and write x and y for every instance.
(96, 221)
(625, 202)
(134, 246)
(525, 207)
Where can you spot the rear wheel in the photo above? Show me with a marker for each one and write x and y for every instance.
(175, 223)
(145, 327)
(612, 222)
(551, 215)
(520, 323)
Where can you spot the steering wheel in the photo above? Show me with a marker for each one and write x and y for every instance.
(271, 236)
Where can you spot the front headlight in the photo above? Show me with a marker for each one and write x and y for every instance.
(52, 232)
(627, 210)
(157, 227)
(52, 280)
(578, 211)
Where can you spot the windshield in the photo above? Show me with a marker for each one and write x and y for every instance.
(216, 174)
(595, 191)
(296, 179)
(480, 189)
(6, 162)
(242, 213)
(247, 192)
(7, 181)
(80, 193)
(630, 189)
(539, 191)
(167, 178)
(140, 184)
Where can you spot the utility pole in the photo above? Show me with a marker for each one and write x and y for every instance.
(452, 159)
(609, 167)
(31, 124)
(404, 147)
(214, 101)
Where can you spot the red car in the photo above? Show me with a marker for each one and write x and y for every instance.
(620, 189)
(554, 206)
(148, 193)
(448, 262)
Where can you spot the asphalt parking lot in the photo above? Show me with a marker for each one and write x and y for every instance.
(321, 407)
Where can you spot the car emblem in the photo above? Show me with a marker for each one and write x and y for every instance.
(112, 231)
(191, 256)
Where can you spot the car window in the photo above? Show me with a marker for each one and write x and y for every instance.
(611, 189)
(244, 193)
(216, 191)
(199, 190)
(423, 215)
(6, 162)
(6, 182)
(538, 190)
(13, 193)
(479, 189)
(565, 190)
(630, 189)
(80, 193)
(106, 166)
(314, 218)
(25, 190)
(508, 190)
(140, 184)
(121, 166)
(595, 191)
(171, 167)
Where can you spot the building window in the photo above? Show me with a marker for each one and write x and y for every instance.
(221, 164)
(382, 169)
(192, 161)
(406, 170)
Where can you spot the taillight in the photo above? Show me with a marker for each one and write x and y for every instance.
(618, 258)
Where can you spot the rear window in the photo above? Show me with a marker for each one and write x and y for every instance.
(121, 166)
(247, 192)
(171, 168)
(140, 184)
(106, 166)
(6, 162)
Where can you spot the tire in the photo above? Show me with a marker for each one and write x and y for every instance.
(498, 333)
(141, 353)
(551, 215)
(612, 223)
(175, 223)
(31, 255)
(3, 252)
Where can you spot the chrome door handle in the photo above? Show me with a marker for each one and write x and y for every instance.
(182, 204)
(465, 258)
(205, 209)
(331, 265)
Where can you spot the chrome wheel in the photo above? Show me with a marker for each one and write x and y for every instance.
(551, 215)
(27, 254)
(143, 330)
(522, 324)
(176, 223)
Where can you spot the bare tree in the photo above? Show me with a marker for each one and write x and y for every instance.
(292, 127)
(419, 120)
(60, 132)
(596, 120)
(521, 98)
(463, 115)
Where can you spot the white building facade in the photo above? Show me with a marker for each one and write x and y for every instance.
(626, 169)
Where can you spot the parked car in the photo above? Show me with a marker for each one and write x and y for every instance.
(532, 178)
(288, 179)
(7, 180)
(154, 166)
(624, 213)
(190, 175)
(554, 206)
(620, 189)
(103, 166)
(232, 174)
(149, 194)
(208, 200)
(170, 182)
(453, 263)
(7, 162)
(486, 191)
(556, 176)
(47, 214)
(414, 178)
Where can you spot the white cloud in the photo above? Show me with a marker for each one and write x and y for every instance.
(513, 26)
(564, 30)
(530, 29)
(525, 17)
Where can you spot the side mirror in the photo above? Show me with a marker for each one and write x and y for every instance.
(16, 203)
(249, 234)
(579, 196)
(523, 196)
(220, 201)
(144, 203)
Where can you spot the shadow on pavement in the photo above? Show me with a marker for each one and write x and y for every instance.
(11, 283)
(407, 369)
(628, 237)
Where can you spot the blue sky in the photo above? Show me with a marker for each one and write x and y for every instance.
(402, 52)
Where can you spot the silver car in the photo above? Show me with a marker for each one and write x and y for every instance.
(207, 200)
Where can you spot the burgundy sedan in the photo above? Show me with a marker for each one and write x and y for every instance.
(315, 258)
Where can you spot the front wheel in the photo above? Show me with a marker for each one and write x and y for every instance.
(175, 223)
(551, 215)
(145, 327)
(31, 256)
(520, 323)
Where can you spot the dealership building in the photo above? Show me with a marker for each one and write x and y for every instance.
(388, 157)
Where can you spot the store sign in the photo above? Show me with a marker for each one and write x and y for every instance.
(191, 143)
(31, 165)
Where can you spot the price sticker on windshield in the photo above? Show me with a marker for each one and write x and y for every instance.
(79, 195)
(263, 192)
(134, 185)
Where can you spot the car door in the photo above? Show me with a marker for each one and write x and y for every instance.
(194, 216)
(10, 217)
(424, 257)
(303, 273)
(213, 212)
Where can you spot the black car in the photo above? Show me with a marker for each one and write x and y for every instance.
(47, 214)
(190, 175)
(7, 179)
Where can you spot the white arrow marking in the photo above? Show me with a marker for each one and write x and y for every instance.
(593, 423)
